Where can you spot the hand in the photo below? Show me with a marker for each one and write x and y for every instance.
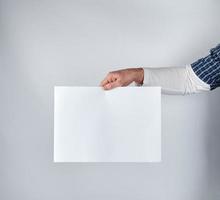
(123, 77)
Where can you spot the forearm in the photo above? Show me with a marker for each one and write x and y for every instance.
(174, 80)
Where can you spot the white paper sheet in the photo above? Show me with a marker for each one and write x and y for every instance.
(121, 125)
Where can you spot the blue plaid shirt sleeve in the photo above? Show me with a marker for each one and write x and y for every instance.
(208, 68)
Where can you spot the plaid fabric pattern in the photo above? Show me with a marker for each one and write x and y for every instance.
(208, 68)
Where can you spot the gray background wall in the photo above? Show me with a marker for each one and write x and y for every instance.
(46, 43)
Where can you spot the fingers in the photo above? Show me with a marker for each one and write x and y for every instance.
(105, 81)
(112, 80)
(111, 85)
(109, 81)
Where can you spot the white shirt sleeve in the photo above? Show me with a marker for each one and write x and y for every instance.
(175, 80)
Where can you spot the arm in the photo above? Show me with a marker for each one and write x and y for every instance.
(173, 80)
(208, 68)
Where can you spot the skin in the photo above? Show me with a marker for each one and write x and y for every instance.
(123, 77)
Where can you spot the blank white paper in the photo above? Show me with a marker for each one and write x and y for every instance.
(120, 125)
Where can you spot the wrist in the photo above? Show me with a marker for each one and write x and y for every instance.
(139, 76)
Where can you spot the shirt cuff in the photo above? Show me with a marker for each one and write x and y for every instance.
(146, 80)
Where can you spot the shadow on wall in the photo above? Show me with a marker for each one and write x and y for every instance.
(213, 146)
